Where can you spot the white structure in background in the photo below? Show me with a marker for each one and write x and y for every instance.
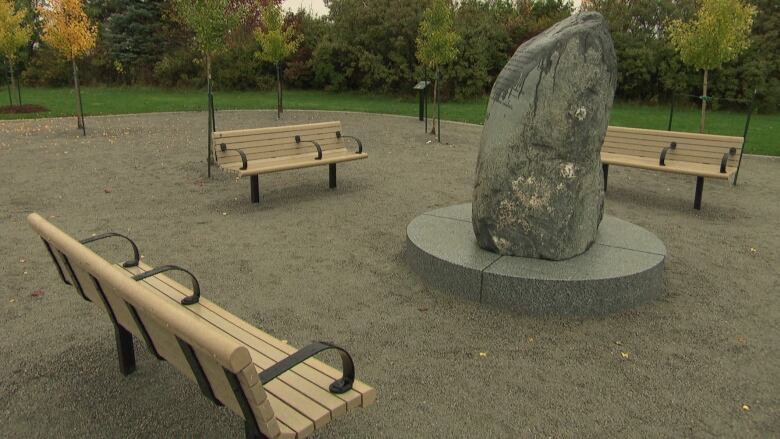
(315, 7)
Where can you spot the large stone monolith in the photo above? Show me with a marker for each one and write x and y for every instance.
(539, 185)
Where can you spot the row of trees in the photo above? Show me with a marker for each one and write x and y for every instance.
(371, 45)
(650, 67)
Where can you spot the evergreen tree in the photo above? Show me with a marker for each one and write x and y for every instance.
(759, 66)
(135, 37)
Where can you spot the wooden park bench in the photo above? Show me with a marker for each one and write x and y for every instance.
(274, 149)
(699, 155)
(278, 390)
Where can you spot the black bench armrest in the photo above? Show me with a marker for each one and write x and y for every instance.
(317, 145)
(341, 385)
(244, 163)
(662, 159)
(724, 161)
(136, 254)
(360, 144)
(189, 300)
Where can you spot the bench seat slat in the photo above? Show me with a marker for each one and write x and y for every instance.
(263, 344)
(611, 142)
(659, 143)
(296, 162)
(678, 154)
(277, 151)
(279, 147)
(627, 131)
(295, 389)
(334, 125)
(336, 406)
(289, 417)
(276, 138)
(366, 393)
(167, 346)
(663, 141)
(697, 169)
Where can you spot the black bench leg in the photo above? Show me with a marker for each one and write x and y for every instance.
(124, 350)
(254, 185)
(252, 432)
(332, 174)
(605, 168)
(699, 189)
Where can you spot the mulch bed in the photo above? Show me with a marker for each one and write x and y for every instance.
(24, 108)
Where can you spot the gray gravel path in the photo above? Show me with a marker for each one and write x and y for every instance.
(311, 263)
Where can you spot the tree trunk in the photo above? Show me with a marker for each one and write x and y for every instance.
(208, 71)
(79, 108)
(435, 98)
(19, 91)
(278, 93)
(13, 80)
(209, 114)
(10, 84)
(703, 103)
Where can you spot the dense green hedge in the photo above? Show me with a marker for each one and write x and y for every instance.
(369, 45)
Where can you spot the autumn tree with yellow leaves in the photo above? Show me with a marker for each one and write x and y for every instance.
(67, 28)
(718, 34)
(276, 44)
(14, 35)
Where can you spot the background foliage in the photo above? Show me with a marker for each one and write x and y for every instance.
(369, 45)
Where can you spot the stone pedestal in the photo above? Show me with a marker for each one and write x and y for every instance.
(622, 269)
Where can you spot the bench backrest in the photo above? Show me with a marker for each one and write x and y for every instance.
(271, 142)
(221, 365)
(691, 147)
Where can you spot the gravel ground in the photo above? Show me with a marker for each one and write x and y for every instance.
(311, 263)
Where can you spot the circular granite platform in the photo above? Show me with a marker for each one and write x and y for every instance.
(623, 268)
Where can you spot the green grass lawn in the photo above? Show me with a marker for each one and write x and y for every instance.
(764, 128)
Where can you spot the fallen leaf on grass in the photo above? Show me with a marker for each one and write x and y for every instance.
(22, 260)
(422, 309)
(38, 293)
(530, 339)
(745, 407)
(107, 190)
(753, 251)
(483, 354)
(12, 301)
(619, 343)
(625, 355)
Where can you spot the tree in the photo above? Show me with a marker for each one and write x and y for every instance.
(14, 35)
(369, 45)
(437, 45)
(212, 21)
(718, 34)
(276, 45)
(69, 31)
(135, 38)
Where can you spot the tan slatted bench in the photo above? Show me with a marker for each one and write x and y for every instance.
(278, 390)
(274, 149)
(699, 155)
